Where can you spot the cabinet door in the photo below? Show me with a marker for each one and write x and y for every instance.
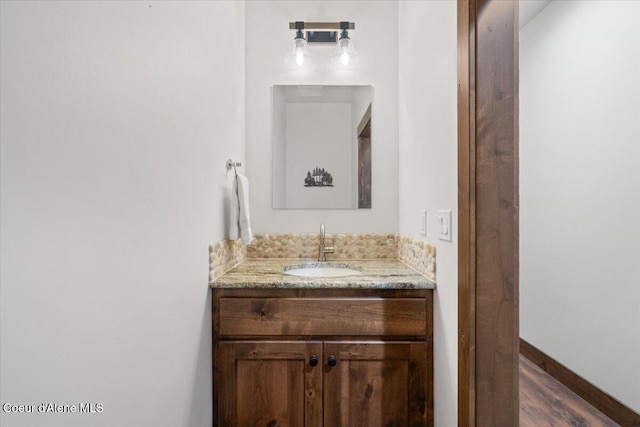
(376, 384)
(269, 384)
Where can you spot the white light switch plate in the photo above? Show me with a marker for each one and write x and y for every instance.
(423, 222)
(444, 225)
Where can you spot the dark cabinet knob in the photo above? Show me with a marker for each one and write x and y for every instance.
(313, 360)
(332, 360)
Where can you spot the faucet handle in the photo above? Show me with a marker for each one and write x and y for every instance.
(329, 248)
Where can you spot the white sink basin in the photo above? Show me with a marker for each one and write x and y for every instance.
(321, 270)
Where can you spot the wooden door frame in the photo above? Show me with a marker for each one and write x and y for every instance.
(488, 329)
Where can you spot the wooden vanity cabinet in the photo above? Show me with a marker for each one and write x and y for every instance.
(322, 357)
(269, 383)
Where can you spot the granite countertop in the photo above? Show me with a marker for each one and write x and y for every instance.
(376, 274)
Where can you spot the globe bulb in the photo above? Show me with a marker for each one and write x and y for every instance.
(344, 55)
(344, 58)
(300, 55)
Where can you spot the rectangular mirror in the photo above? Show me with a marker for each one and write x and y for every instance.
(321, 147)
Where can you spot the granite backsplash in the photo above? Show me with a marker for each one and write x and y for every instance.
(419, 255)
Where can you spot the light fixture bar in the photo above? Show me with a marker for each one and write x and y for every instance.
(322, 25)
(344, 56)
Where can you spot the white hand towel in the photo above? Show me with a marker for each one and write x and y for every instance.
(234, 210)
(239, 211)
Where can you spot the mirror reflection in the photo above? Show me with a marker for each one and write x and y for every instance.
(321, 147)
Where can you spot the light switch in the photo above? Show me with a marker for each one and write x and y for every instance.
(423, 222)
(444, 225)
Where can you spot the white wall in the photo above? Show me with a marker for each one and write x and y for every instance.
(319, 135)
(268, 40)
(428, 169)
(117, 118)
(580, 190)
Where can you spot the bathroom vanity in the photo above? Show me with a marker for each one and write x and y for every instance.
(322, 351)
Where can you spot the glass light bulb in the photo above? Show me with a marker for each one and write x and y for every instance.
(344, 55)
(344, 58)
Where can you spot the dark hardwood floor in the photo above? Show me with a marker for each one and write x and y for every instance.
(546, 402)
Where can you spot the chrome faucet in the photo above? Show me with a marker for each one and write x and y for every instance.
(322, 248)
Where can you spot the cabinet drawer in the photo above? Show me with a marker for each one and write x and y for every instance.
(322, 316)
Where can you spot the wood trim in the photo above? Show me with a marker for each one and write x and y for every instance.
(488, 213)
(321, 26)
(364, 121)
(364, 160)
(466, 212)
(599, 399)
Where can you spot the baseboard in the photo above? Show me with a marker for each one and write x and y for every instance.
(602, 401)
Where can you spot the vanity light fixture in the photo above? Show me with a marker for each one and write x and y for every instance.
(344, 55)
(300, 53)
